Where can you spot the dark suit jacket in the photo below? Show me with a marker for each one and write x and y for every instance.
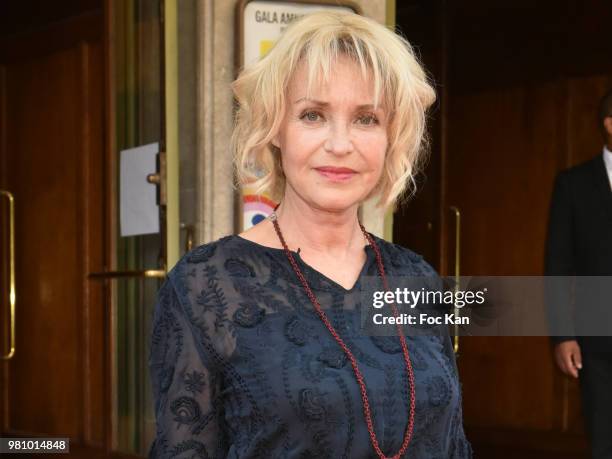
(580, 233)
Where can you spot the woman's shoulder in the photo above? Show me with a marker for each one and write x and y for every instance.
(404, 259)
(196, 295)
(228, 266)
(210, 253)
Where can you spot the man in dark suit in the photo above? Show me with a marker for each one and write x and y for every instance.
(580, 244)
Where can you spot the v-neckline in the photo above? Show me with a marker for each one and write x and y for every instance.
(367, 248)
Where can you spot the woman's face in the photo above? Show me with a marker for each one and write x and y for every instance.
(332, 146)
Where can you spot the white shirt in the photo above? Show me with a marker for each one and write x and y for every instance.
(608, 160)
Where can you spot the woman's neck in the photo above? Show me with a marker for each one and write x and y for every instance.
(319, 230)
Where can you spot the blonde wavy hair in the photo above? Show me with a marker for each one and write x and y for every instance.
(318, 38)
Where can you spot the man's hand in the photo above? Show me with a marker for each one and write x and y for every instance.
(568, 357)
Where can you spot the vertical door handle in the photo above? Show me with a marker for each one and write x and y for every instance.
(457, 213)
(12, 294)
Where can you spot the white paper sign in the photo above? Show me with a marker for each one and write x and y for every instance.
(139, 213)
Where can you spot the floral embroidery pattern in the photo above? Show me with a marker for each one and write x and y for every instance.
(312, 369)
(238, 268)
(249, 315)
(194, 382)
(311, 403)
(387, 344)
(333, 357)
(213, 297)
(201, 254)
(297, 331)
(190, 445)
(186, 410)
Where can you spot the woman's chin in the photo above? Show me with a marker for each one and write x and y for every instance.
(337, 205)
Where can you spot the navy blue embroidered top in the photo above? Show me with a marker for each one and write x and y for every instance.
(243, 367)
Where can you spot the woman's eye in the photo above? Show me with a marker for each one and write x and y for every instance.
(368, 120)
(311, 116)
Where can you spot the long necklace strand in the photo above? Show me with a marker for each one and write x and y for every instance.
(347, 351)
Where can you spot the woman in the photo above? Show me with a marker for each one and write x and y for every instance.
(256, 348)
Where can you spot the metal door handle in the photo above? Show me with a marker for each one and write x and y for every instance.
(457, 213)
(12, 293)
(146, 273)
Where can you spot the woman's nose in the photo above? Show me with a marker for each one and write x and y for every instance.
(339, 140)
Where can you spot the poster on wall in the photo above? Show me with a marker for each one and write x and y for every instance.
(262, 24)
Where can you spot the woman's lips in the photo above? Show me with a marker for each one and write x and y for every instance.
(336, 174)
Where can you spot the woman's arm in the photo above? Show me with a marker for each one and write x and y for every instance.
(185, 390)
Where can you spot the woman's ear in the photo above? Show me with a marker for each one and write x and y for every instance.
(275, 141)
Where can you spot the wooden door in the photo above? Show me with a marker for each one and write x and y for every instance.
(518, 88)
(501, 180)
(52, 97)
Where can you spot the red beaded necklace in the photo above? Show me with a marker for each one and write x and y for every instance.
(347, 351)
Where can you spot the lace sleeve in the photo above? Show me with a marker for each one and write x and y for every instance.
(185, 389)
